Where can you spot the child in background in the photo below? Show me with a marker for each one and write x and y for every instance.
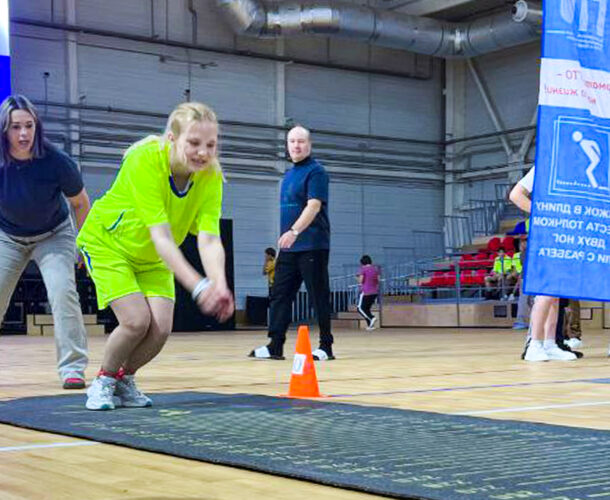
(368, 278)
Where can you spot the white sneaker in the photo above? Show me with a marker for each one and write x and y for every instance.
(372, 325)
(127, 394)
(321, 355)
(573, 343)
(264, 353)
(100, 392)
(555, 353)
(536, 353)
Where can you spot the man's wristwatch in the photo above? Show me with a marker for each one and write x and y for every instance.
(294, 232)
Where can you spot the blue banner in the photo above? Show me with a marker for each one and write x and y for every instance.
(5, 59)
(5, 76)
(569, 243)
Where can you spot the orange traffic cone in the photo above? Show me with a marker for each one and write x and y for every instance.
(303, 380)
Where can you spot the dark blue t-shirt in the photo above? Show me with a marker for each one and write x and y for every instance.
(30, 192)
(306, 180)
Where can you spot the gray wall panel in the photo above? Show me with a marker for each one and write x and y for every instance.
(310, 48)
(358, 103)
(143, 83)
(512, 78)
(327, 99)
(30, 59)
(115, 15)
(36, 9)
(348, 52)
(411, 111)
(98, 181)
(237, 88)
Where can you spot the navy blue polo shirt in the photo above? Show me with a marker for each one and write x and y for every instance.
(306, 180)
(31, 201)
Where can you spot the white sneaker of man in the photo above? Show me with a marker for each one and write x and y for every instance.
(554, 353)
(127, 394)
(100, 393)
(372, 325)
(536, 352)
(573, 343)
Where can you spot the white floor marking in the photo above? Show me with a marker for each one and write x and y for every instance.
(49, 445)
(532, 408)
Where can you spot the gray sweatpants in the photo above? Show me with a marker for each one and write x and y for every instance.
(54, 252)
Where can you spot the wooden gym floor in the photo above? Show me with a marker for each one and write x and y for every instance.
(474, 372)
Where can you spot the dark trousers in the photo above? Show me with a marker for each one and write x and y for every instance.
(291, 269)
(559, 336)
(365, 302)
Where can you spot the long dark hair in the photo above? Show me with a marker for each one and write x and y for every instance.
(10, 104)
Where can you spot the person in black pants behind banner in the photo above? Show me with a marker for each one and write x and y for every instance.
(304, 247)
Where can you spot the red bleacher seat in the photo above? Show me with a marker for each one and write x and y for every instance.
(437, 279)
(466, 277)
(479, 277)
(494, 244)
(481, 260)
(450, 278)
(508, 243)
(466, 261)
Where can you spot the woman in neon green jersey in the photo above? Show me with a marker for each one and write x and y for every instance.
(167, 186)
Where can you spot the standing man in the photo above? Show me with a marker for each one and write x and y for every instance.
(304, 246)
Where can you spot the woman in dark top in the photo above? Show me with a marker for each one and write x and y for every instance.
(35, 223)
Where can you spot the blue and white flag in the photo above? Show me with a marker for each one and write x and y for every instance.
(5, 55)
(569, 244)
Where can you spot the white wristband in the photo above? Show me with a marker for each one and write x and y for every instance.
(204, 284)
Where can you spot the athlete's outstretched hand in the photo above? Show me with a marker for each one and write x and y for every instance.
(217, 301)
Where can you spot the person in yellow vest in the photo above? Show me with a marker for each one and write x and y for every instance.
(514, 277)
(269, 266)
(501, 276)
(525, 303)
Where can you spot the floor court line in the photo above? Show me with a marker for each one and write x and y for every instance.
(468, 388)
(48, 445)
(532, 408)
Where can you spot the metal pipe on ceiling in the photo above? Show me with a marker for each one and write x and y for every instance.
(385, 28)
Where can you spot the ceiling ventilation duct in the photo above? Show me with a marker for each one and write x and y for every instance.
(384, 28)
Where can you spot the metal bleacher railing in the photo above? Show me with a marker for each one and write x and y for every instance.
(477, 218)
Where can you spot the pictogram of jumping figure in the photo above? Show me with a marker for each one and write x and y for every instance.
(593, 152)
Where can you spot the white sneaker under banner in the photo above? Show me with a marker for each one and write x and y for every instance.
(554, 353)
(536, 353)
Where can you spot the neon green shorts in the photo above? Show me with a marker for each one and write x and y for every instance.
(114, 274)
